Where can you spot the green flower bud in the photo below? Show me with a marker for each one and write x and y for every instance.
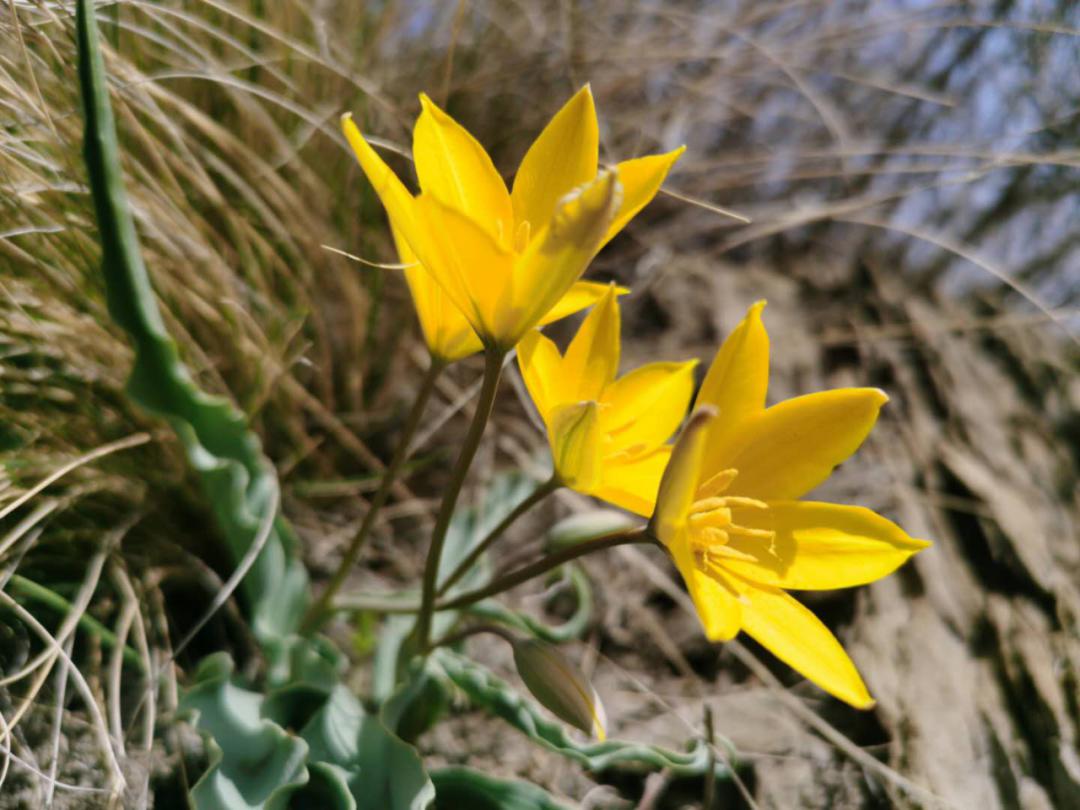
(560, 686)
(586, 526)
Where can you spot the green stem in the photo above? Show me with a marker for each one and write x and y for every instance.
(28, 589)
(320, 609)
(492, 373)
(537, 495)
(507, 581)
(474, 630)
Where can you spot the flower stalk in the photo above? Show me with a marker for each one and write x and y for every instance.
(318, 612)
(537, 495)
(493, 363)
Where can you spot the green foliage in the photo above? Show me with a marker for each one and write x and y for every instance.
(237, 480)
(487, 691)
(314, 746)
(463, 787)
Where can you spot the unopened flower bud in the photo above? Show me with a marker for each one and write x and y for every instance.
(586, 526)
(560, 686)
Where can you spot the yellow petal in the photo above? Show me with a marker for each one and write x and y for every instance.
(557, 256)
(452, 166)
(396, 199)
(796, 636)
(581, 296)
(736, 383)
(575, 444)
(641, 178)
(592, 359)
(790, 448)
(466, 261)
(716, 600)
(632, 484)
(448, 335)
(645, 407)
(541, 368)
(562, 158)
(678, 487)
(819, 546)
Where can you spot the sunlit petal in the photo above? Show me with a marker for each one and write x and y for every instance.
(736, 383)
(562, 158)
(592, 359)
(632, 484)
(558, 255)
(541, 368)
(715, 599)
(396, 199)
(820, 546)
(575, 444)
(465, 260)
(798, 638)
(452, 166)
(641, 178)
(581, 296)
(679, 484)
(790, 448)
(646, 406)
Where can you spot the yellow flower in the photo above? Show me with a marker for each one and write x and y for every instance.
(506, 259)
(608, 436)
(728, 512)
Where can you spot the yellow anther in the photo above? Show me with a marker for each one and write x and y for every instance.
(522, 236)
(717, 484)
(718, 518)
(749, 503)
(708, 505)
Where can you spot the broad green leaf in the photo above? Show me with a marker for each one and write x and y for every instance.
(255, 764)
(237, 480)
(487, 691)
(342, 758)
(459, 788)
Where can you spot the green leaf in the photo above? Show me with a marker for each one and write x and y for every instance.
(381, 771)
(237, 480)
(457, 788)
(255, 764)
(487, 691)
(342, 758)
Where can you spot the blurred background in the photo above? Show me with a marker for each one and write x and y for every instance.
(898, 178)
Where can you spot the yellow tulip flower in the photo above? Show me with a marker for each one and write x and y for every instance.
(506, 259)
(608, 436)
(729, 514)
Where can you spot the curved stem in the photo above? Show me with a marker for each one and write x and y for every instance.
(505, 582)
(537, 495)
(474, 630)
(492, 373)
(320, 609)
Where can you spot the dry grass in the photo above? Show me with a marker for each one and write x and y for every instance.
(934, 139)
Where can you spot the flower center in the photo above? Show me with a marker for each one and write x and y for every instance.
(712, 524)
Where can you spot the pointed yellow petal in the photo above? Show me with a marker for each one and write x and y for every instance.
(592, 359)
(466, 262)
(715, 598)
(396, 199)
(796, 636)
(736, 383)
(678, 487)
(561, 159)
(452, 166)
(541, 368)
(581, 296)
(820, 546)
(632, 484)
(575, 445)
(646, 406)
(558, 255)
(790, 448)
(641, 178)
